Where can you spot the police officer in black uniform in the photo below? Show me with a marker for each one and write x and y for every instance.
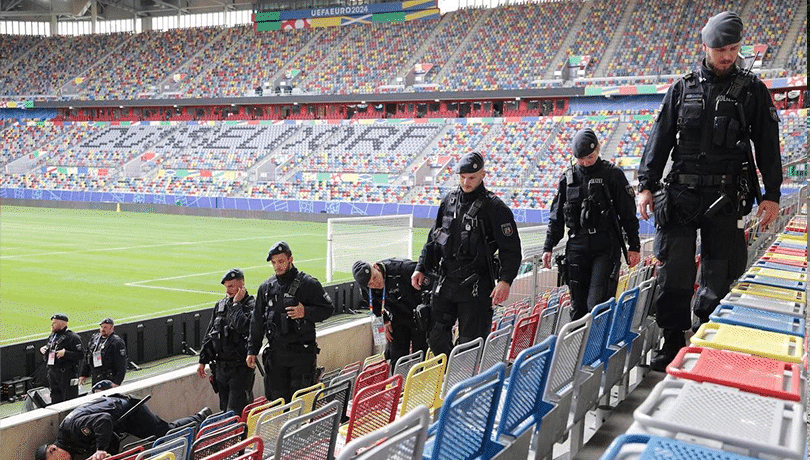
(92, 431)
(106, 357)
(63, 356)
(595, 201)
(707, 121)
(386, 286)
(287, 307)
(224, 346)
(471, 225)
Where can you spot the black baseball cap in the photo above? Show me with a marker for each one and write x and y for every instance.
(362, 273)
(233, 274)
(279, 248)
(60, 316)
(107, 321)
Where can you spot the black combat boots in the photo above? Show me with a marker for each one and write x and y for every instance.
(674, 340)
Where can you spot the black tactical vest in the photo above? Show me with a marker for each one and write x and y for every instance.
(586, 202)
(465, 242)
(712, 131)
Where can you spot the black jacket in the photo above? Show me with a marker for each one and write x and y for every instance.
(227, 333)
(761, 118)
(113, 357)
(71, 343)
(269, 299)
(90, 427)
(620, 192)
(400, 297)
(501, 235)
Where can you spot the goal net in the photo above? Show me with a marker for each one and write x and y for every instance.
(366, 238)
(532, 239)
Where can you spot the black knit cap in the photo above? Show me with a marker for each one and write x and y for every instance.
(233, 274)
(362, 273)
(584, 142)
(470, 163)
(721, 30)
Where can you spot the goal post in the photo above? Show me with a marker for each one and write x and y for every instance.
(366, 238)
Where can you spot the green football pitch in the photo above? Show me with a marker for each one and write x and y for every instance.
(128, 266)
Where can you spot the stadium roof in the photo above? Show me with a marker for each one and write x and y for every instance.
(46, 10)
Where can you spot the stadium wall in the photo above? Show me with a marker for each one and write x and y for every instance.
(300, 208)
(320, 217)
(612, 104)
(152, 339)
(22, 114)
(174, 394)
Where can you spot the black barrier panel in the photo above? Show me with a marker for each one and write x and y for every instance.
(150, 339)
(339, 294)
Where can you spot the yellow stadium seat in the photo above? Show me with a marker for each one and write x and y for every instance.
(773, 345)
(424, 384)
(254, 414)
(308, 395)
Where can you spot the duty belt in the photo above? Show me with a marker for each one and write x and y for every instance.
(582, 231)
(705, 180)
(229, 364)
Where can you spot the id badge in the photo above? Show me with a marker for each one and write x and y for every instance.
(51, 358)
(96, 359)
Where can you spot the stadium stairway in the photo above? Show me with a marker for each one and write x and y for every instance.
(613, 143)
(324, 62)
(296, 59)
(420, 52)
(569, 39)
(792, 34)
(451, 61)
(621, 417)
(615, 40)
(174, 87)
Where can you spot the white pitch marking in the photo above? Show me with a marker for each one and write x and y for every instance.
(144, 246)
(138, 283)
(173, 289)
(122, 320)
(158, 313)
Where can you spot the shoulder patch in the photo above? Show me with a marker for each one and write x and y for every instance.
(660, 111)
(507, 229)
(123, 352)
(630, 192)
(86, 431)
(775, 115)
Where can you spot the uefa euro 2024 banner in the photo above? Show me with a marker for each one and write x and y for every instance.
(347, 10)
